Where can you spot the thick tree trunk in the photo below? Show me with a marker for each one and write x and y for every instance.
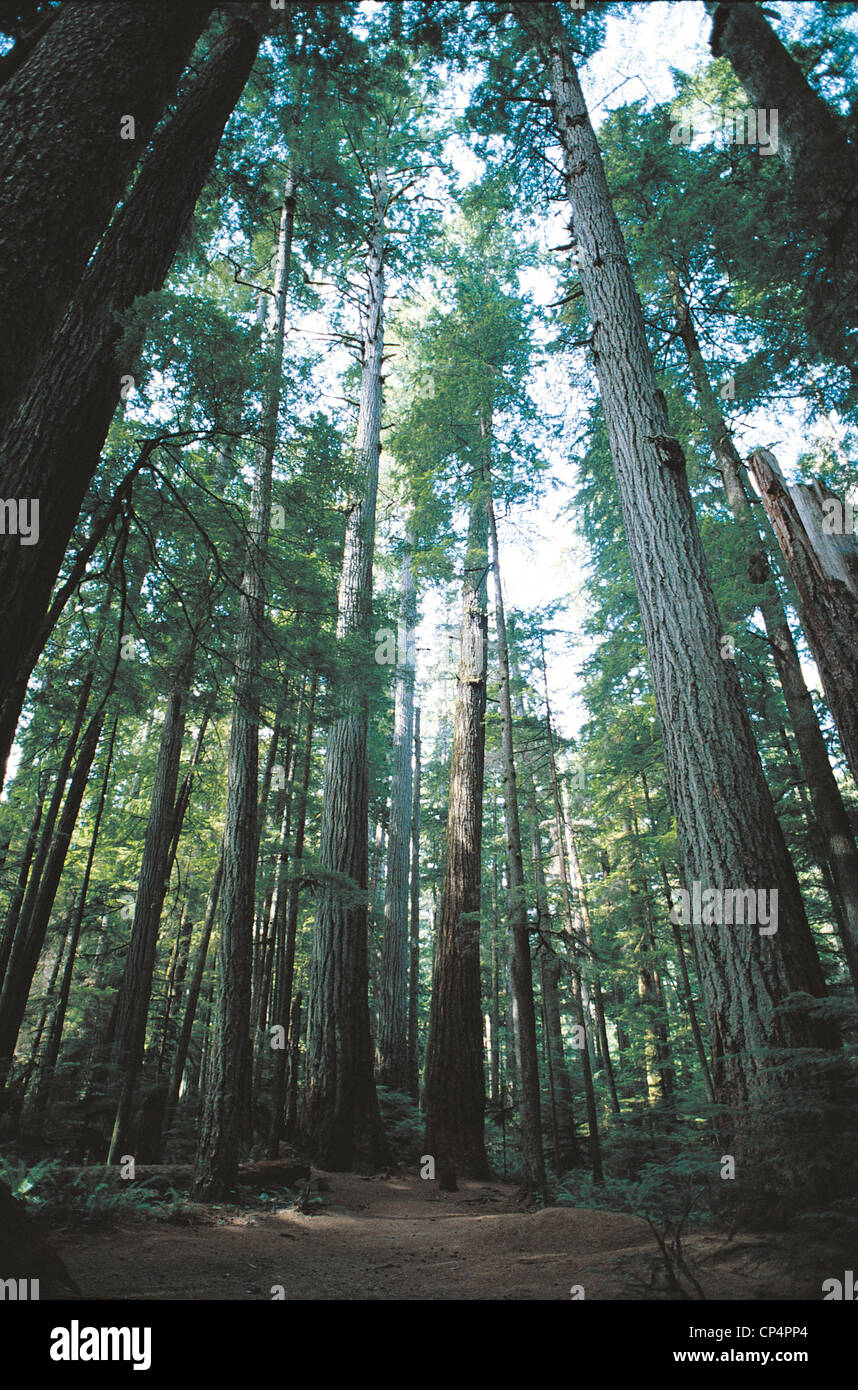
(393, 1031)
(454, 1080)
(824, 569)
(228, 1078)
(810, 140)
(414, 952)
(51, 446)
(25, 42)
(64, 162)
(341, 1115)
(533, 1182)
(822, 164)
(828, 804)
(716, 781)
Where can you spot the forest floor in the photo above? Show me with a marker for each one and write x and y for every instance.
(398, 1238)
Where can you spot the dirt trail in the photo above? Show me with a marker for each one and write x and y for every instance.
(398, 1238)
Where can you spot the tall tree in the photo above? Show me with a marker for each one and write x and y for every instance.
(708, 741)
(393, 1068)
(454, 1083)
(822, 784)
(533, 1174)
(341, 1113)
(228, 1079)
(824, 567)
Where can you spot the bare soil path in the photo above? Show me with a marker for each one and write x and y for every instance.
(398, 1238)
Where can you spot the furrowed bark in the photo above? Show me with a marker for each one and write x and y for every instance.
(228, 1079)
(533, 1182)
(716, 781)
(64, 163)
(828, 806)
(393, 1031)
(136, 986)
(454, 1080)
(824, 569)
(341, 1117)
(414, 951)
(286, 972)
(51, 447)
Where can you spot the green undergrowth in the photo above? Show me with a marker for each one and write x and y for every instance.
(94, 1197)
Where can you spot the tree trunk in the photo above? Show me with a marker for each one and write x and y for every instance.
(294, 1061)
(17, 899)
(824, 569)
(183, 1040)
(51, 447)
(822, 164)
(21, 906)
(414, 960)
(579, 892)
(716, 781)
(650, 972)
(135, 989)
(686, 993)
(454, 1080)
(286, 969)
(30, 940)
(393, 1031)
(65, 162)
(573, 936)
(495, 1058)
(567, 1151)
(174, 985)
(228, 1079)
(809, 137)
(533, 1182)
(271, 943)
(47, 1068)
(341, 1115)
(818, 774)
